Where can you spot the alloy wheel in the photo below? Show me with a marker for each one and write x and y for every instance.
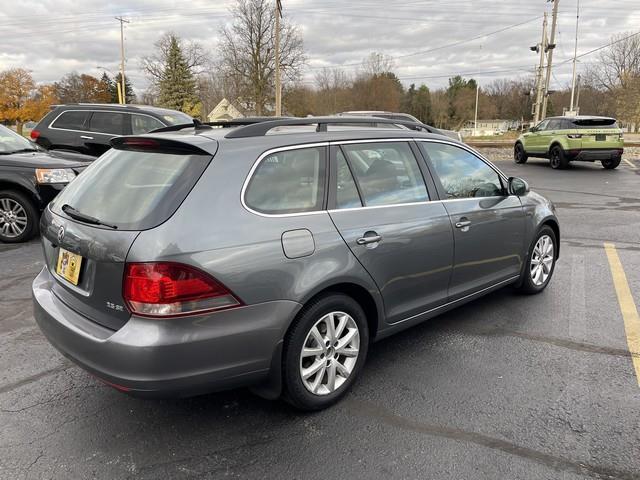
(329, 353)
(555, 159)
(13, 218)
(542, 260)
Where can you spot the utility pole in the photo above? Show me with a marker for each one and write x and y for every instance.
(278, 82)
(540, 48)
(475, 121)
(550, 48)
(578, 94)
(123, 98)
(575, 56)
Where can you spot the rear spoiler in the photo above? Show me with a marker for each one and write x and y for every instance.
(157, 145)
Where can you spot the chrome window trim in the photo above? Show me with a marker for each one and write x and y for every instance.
(369, 140)
(255, 166)
(91, 111)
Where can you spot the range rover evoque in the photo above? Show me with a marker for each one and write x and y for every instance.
(273, 254)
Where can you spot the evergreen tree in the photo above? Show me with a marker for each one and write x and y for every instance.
(178, 85)
(113, 87)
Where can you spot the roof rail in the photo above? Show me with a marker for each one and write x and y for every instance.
(261, 128)
(236, 122)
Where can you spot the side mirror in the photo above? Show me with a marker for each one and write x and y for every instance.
(533, 129)
(518, 186)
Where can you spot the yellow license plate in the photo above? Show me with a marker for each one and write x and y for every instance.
(68, 266)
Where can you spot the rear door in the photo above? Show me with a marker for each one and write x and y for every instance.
(128, 191)
(65, 131)
(382, 208)
(103, 126)
(489, 226)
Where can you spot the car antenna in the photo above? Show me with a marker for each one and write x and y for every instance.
(198, 125)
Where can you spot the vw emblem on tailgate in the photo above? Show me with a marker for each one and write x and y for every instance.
(60, 234)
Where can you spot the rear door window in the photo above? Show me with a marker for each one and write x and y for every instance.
(554, 125)
(133, 190)
(73, 120)
(108, 122)
(346, 191)
(144, 124)
(386, 173)
(290, 181)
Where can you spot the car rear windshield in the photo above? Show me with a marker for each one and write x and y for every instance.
(586, 123)
(133, 190)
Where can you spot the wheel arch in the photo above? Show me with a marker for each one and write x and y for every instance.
(371, 305)
(21, 188)
(553, 224)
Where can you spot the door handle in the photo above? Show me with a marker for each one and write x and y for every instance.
(463, 223)
(368, 240)
(86, 137)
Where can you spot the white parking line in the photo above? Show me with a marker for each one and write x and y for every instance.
(631, 165)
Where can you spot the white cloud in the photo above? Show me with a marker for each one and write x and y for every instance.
(53, 37)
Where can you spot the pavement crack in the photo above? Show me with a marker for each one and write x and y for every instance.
(558, 342)
(34, 378)
(384, 416)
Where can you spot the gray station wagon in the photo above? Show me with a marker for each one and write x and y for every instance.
(273, 254)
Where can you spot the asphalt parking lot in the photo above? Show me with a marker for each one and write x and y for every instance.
(510, 386)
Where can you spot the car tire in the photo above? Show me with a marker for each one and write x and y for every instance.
(519, 155)
(558, 159)
(337, 362)
(537, 271)
(611, 163)
(18, 217)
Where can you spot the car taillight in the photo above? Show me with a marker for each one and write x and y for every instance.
(575, 135)
(34, 134)
(166, 289)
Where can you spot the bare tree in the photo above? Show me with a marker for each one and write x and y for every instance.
(247, 51)
(376, 64)
(617, 72)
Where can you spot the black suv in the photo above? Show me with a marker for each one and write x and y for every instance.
(30, 177)
(88, 128)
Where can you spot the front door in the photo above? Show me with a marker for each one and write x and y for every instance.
(536, 140)
(381, 206)
(489, 226)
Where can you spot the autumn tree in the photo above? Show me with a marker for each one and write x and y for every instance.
(247, 50)
(82, 88)
(17, 90)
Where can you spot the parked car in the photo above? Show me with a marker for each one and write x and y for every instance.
(88, 128)
(572, 139)
(396, 116)
(273, 254)
(30, 177)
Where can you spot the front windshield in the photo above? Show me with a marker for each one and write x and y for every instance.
(10, 141)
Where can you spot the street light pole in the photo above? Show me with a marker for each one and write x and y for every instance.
(278, 81)
(123, 97)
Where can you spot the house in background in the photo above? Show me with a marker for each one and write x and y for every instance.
(225, 110)
(488, 127)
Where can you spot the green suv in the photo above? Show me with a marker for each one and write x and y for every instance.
(566, 139)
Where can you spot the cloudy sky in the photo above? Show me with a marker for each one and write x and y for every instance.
(429, 40)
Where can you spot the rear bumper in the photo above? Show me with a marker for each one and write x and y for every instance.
(593, 154)
(171, 357)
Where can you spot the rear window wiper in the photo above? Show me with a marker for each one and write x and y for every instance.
(21, 150)
(73, 213)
